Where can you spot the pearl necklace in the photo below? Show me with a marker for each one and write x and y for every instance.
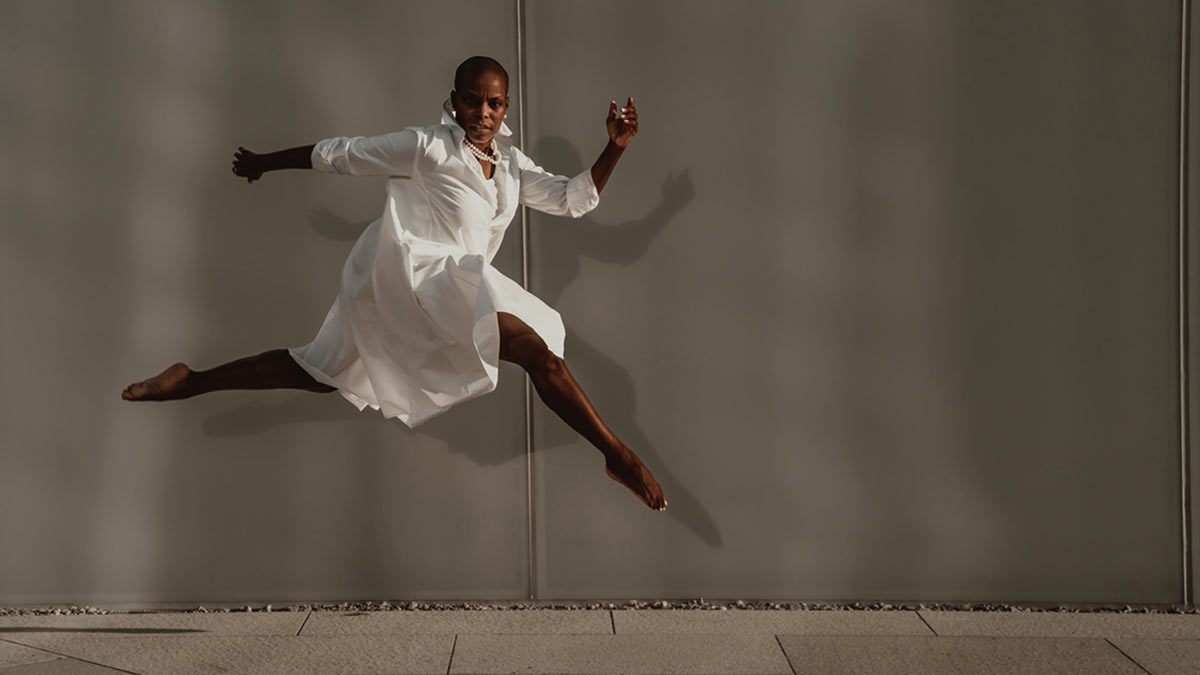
(480, 153)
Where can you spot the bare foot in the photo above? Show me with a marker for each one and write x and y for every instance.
(627, 469)
(167, 385)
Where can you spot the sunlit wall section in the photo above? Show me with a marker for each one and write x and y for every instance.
(883, 294)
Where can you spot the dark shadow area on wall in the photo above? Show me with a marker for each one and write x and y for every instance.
(620, 244)
(333, 227)
(258, 417)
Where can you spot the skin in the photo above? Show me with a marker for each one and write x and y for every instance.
(480, 101)
(484, 102)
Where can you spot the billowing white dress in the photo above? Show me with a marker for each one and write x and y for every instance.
(413, 329)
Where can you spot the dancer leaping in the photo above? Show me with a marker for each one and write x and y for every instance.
(422, 317)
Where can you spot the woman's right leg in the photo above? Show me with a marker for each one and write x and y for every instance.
(560, 392)
(272, 369)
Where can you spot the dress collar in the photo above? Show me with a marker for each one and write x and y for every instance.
(448, 118)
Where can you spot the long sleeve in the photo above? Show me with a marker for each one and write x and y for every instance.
(555, 194)
(391, 154)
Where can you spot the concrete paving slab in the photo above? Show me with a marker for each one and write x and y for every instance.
(894, 655)
(156, 623)
(61, 666)
(578, 654)
(461, 621)
(769, 622)
(1163, 657)
(12, 654)
(1064, 624)
(258, 654)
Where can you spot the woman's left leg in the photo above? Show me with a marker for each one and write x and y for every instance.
(560, 392)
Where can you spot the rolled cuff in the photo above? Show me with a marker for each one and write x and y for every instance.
(582, 195)
(319, 157)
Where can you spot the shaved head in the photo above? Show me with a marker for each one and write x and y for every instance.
(480, 98)
(468, 72)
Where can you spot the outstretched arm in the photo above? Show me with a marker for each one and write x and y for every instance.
(622, 127)
(252, 166)
(390, 154)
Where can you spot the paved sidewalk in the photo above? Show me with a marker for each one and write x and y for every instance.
(834, 642)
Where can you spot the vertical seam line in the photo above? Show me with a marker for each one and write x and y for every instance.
(1184, 422)
(521, 123)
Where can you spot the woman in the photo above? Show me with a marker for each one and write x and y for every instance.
(421, 316)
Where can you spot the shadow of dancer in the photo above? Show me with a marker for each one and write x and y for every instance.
(624, 243)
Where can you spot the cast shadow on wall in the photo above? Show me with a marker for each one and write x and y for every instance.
(557, 250)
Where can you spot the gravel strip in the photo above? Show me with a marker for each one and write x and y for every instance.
(406, 606)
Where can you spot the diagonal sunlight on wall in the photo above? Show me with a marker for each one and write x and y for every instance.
(175, 56)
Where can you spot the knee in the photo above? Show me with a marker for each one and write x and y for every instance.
(546, 364)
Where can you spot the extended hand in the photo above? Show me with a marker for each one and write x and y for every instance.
(247, 164)
(622, 125)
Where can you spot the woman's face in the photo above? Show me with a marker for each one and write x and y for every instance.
(480, 106)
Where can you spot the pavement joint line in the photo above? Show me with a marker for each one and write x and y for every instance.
(1140, 666)
(68, 657)
(28, 647)
(785, 654)
(304, 623)
(450, 664)
(923, 620)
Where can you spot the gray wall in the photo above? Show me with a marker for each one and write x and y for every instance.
(885, 293)
(885, 296)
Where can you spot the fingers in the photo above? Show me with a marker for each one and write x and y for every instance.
(629, 112)
(241, 165)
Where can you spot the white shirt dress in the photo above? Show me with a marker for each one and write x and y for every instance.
(413, 329)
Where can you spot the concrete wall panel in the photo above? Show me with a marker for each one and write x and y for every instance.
(883, 293)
